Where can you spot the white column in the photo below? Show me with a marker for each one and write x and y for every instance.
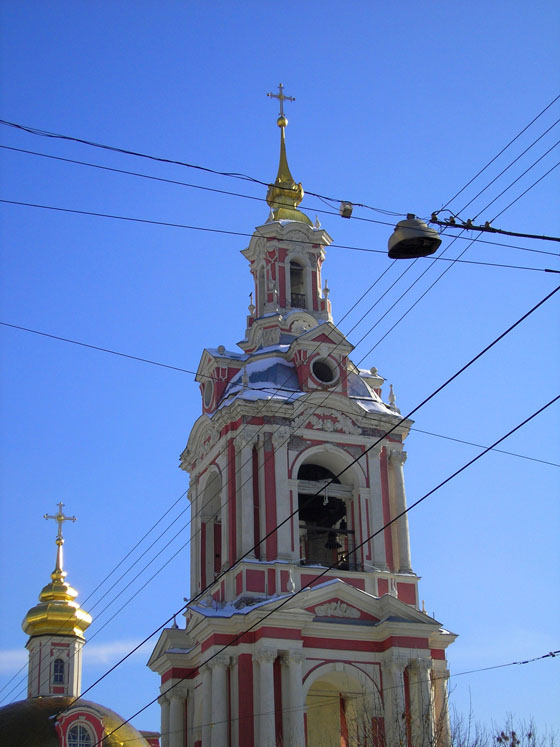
(397, 460)
(245, 444)
(218, 666)
(376, 509)
(266, 720)
(394, 702)
(234, 700)
(280, 442)
(440, 674)
(206, 674)
(425, 701)
(176, 720)
(164, 704)
(295, 736)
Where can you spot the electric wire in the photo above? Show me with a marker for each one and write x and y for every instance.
(511, 163)
(347, 312)
(458, 259)
(100, 584)
(481, 446)
(366, 292)
(352, 328)
(556, 144)
(236, 637)
(186, 370)
(327, 695)
(205, 169)
(186, 525)
(375, 443)
(507, 207)
(238, 194)
(491, 161)
(226, 232)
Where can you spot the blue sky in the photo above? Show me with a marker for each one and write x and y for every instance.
(397, 107)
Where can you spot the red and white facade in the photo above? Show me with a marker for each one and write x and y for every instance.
(291, 474)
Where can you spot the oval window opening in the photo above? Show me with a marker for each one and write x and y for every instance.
(323, 371)
(208, 393)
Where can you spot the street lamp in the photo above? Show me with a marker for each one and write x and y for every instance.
(413, 238)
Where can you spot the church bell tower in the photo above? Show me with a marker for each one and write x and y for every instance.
(304, 626)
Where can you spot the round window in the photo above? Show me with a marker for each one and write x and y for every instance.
(208, 393)
(324, 370)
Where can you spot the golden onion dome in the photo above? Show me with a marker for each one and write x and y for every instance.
(57, 613)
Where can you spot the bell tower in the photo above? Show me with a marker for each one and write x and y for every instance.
(56, 628)
(304, 626)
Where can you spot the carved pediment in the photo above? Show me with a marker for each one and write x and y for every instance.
(328, 420)
(337, 608)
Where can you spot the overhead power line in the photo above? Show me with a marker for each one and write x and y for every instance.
(236, 637)
(491, 161)
(375, 443)
(251, 197)
(160, 159)
(185, 370)
(250, 235)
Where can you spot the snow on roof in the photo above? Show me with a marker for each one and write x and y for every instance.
(222, 353)
(263, 378)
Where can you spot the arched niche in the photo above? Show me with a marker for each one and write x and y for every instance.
(343, 707)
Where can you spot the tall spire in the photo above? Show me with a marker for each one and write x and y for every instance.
(285, 194)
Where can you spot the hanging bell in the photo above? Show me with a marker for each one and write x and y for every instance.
(331, 543)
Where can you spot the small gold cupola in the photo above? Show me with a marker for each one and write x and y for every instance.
(57, 613)
(285, 194)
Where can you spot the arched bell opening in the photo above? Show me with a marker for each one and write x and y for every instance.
(298, 296)
(326, 537)
(211, 510)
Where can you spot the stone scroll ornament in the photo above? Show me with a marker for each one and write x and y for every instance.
(336, 609)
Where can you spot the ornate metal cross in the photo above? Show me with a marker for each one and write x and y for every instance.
(60, 518)
(281, 97)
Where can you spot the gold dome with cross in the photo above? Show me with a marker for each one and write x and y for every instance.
(57, 613)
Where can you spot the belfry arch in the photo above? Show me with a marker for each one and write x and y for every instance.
(211, 527)
(326, 517)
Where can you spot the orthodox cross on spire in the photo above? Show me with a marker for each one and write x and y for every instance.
(60, 518)
(281, 97)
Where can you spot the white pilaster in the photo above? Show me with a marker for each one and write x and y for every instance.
(206, 674)
(218, 665)
(397, 460)
(394, 701)
(176, 719)
(294, 724)
(245, 443)
(267, 729)
(376, 509)
(280, 442)
(164, 704)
